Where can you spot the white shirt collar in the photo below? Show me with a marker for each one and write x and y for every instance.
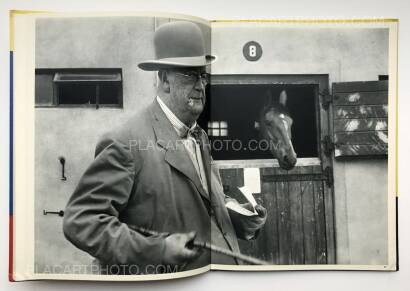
(178, 125)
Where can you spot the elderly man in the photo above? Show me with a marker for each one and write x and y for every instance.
(155, 172)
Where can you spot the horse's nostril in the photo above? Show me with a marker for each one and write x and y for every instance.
(290, 160)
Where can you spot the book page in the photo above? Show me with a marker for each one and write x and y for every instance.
(311, 137)
(77, 77)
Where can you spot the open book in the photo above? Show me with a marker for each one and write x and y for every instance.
(157, 146)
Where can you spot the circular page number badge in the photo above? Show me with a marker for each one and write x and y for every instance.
(252, 51)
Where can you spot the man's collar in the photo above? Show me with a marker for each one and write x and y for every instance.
(180, 127)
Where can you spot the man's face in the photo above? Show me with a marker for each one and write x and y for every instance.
(187, 90)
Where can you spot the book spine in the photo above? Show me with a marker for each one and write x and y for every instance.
(11, 170)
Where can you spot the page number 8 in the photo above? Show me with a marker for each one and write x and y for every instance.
(252, 51)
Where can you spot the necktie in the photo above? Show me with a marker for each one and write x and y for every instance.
(194, 138)
(196, 133)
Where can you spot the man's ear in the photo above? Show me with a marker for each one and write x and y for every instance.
(163, 77)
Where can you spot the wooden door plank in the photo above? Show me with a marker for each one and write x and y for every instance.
(296, 221)
(364, 124)
(361, 150)
(282, 196)
(320, 222)
(360, 86)
(330, 224)
(269, 234)
(360, 98)
(360, 111)
(362, 138)
(309, 220)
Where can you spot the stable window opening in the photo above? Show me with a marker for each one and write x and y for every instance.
(79, 87)
(217, 128)
(239, 105)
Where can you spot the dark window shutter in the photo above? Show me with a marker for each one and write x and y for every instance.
(360, 118)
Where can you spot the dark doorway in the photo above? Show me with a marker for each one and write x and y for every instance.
(300, 220)
(232, 110)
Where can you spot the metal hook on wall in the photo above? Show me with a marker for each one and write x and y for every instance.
(62, 162)
(59, 213)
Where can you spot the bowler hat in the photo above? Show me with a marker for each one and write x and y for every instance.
(178, 44)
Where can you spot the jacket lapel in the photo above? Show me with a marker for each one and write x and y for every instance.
(178, 158)
(217, 194)
(206, 159)
(176, 154)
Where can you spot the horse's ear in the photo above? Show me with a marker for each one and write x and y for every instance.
(283, 97)
(268, 98)
(257, 125)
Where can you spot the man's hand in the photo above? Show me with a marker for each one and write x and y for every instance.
(253, 223)
(247, 226)
(176, 251)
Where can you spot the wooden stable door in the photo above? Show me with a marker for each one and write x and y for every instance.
(300, 222)
(297, 223)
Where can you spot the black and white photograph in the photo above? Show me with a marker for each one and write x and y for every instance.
(173, 145)
(325, 183)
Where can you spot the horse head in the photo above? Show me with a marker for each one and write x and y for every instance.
(275, 125)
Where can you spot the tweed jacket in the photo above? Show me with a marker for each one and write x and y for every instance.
(142, 176)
